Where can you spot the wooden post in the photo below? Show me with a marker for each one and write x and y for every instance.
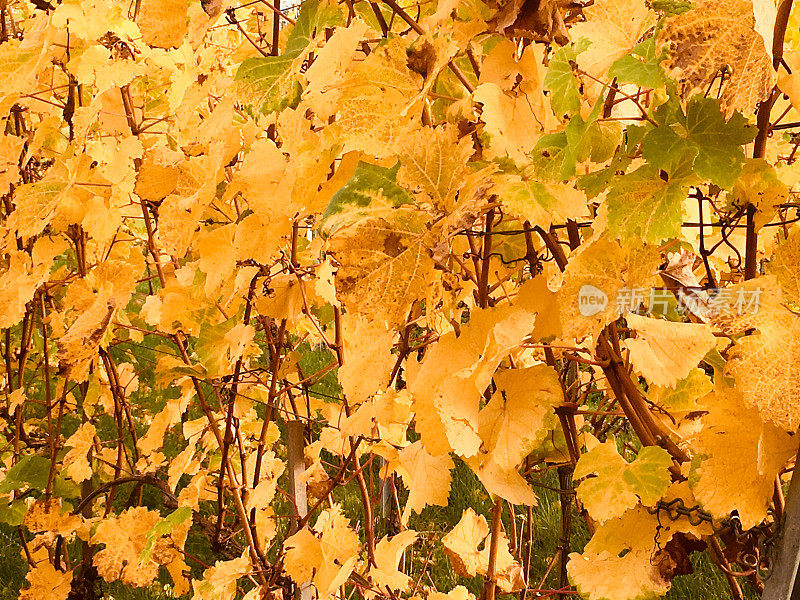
(297, 486)
(784, 584)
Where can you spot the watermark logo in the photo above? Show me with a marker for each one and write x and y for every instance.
(699, 301)
(591, 300)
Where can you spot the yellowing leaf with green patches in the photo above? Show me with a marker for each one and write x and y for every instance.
(759, 185)
(539, 201)
(125, 537)
(372, 191)
(644, 207)
(617, 485)
(684, 395)
(613, 28)
(270, 82)
(698, 140)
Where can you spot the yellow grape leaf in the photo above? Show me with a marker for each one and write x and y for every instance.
(46, 515)
(173, 559)
(159, 424)
(759, 185)
(285, 299)
(713, 35)
(124, 538)
(618, 485)
(10, 149)
(181, 210)
(601, 281)
(78, 346)
(613, 28)
(376, 107)
(515, 119)
(368, 358)
(19, 280)
(457, 593)
(448, 384)
(626, 558)
(45, 582)
(434, 161)
(271, 470)
(785, 266)
(325, 559)
(37, 203)
(76, 461)
(388, 411)
(158, 174)
(303, 555)
(97, 67)
(501, 66)
(426, 477)
(215, 250)
(163, 23)
(739, 457)
(467, 546)
(330, 64)
(789, 82)
(508, 571)
(21, 60)
(387, 554)
(665, 351)
(220, 347)
(765, 364)
(520, 413)
(540, 201)
(765, 13)
(219, 581)
(384, 264)
(506, 483)
(461, 543)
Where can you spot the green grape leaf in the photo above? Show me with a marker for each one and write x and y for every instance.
(557, 155)
(641, 66)
(700, 139)
(560, 80)
(642, 207)
(14, 513)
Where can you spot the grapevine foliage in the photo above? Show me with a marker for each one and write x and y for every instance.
(270, 275)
